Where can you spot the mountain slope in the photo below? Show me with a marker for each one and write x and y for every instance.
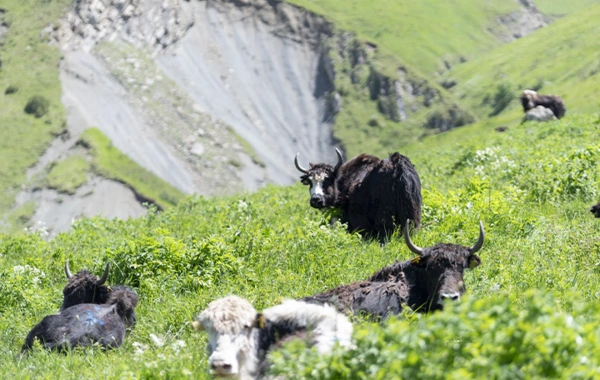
(561, 59)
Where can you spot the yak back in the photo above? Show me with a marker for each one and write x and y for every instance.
(373, 300)
(79, 325)
(378, 195)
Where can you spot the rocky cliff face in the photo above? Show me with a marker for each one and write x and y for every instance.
(521, 22)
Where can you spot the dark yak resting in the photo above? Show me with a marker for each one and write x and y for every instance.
(422, 283)
(374, 196)
(91, 312)
(595, 209)
(87, 324)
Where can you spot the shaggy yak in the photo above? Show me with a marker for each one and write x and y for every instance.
(91, 313)
(595, 209)
(240, 338)
(374, 196)
(530, 99)
(422, 283)
(87, 324)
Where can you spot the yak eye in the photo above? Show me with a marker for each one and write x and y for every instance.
(306, 182)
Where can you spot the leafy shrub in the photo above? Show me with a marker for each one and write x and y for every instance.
(496, 338)
(502, 98)
(11, 89)
(37, 105)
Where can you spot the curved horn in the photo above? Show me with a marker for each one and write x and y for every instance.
(300, 168)
(340, 159)
(479, 243)
(104, 276)
(409, 243)
(67, 270)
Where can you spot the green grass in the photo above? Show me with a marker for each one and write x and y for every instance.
(562, 58)
(530, 311)
(561, 8)
(31, 65)
(421, 33)
(67, 175)
(111, 163)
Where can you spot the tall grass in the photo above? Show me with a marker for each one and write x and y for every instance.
(520, 317)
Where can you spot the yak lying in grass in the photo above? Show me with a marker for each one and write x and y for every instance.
(92, 312)
(595, 209)
(531, 99)
(87, 324)
(374, 196)
(422, 283)
(239, 338)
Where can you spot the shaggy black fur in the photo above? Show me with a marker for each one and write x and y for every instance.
(375, 196)
(81, 289)
(374, 300)
(87, 324)
(595, 209)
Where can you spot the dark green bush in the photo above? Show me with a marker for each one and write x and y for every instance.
(11, 89)
(37, 105)
(502, 98)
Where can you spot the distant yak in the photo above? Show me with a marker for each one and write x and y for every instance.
(374, 196)
(422, 283)
(531, 99)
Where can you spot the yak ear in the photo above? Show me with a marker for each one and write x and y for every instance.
(259, 321)
(197, 326)
(474, 261)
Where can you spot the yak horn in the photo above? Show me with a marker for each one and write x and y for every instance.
(340, 159)
(67, 270)
(300, 168)
(409, 243)
(197, 326)
(479, 243)
(104, 276)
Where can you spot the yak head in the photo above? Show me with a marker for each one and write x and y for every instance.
(440, 269)
(527, 99)
(321, 179)
(84, 287)
(230, 323)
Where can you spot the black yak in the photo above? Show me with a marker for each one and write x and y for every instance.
(239, 337)
(374, 196)
(422, 283)
(531, 99)
(86, 324)
(595, 209)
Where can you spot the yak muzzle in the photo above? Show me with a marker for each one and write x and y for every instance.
(317, 202)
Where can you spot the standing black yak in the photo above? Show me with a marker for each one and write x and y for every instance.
(87, 324)
(531, 99)
(422, 283)
(375, 196)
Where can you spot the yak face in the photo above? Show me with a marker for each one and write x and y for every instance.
(441, 269)
(230, 323)
(84, 287)
(321, 179)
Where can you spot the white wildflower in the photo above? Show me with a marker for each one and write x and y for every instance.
(158, 342)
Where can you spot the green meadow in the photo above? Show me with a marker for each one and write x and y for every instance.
(530, 310)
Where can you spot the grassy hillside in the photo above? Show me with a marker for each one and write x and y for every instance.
(28, 69)
(531, 309)
(562, 59)
(561, 8)
(422, 33)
